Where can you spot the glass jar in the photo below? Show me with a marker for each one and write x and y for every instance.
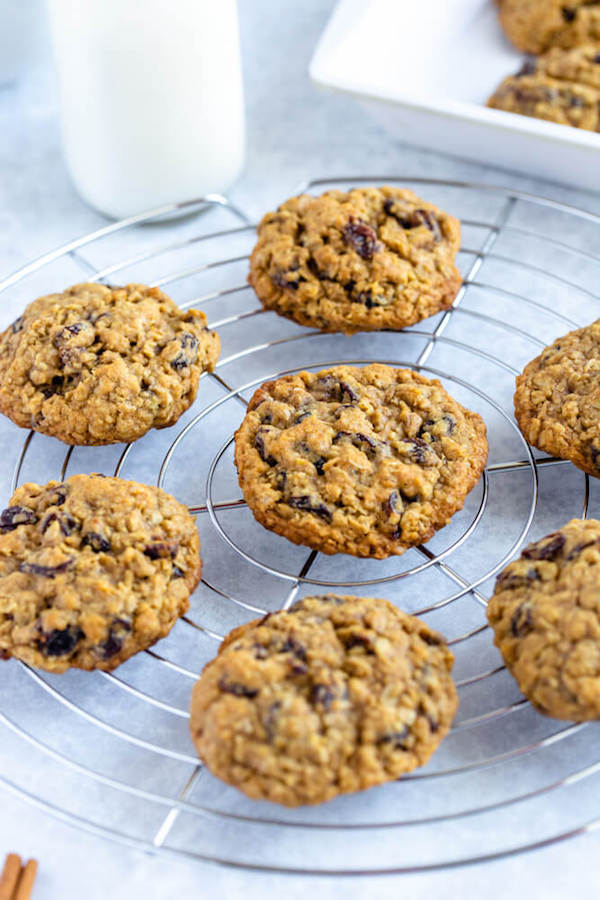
(151, 99)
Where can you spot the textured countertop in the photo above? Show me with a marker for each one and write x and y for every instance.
(295, 132)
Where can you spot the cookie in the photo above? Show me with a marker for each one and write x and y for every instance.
(335, 695)
(563, 86)
(545, 613)
(101, 365)
(363, 461)
(536, 25)
(359, 261)
(558, 397)
(547, 98)
(581, 64)
(92, 570)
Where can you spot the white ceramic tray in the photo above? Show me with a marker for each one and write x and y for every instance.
(426, 69)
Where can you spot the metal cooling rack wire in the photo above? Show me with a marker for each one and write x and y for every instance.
(184, 806)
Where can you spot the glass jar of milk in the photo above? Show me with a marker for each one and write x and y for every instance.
(151, 99)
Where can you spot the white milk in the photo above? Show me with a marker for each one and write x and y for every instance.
(151, 96)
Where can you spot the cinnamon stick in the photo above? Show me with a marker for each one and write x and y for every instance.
(26, 880)
(10, 876)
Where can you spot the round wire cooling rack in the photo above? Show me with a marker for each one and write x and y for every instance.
(110, 752)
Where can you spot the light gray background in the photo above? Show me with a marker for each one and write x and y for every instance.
(294, 132)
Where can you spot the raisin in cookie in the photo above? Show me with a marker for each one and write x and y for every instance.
(101, 365)
(536, 25)
(557, 400)
(335, 695)
(563, 86)
(545, 613)
(92, 570)
(363, 461)
(359, 261)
